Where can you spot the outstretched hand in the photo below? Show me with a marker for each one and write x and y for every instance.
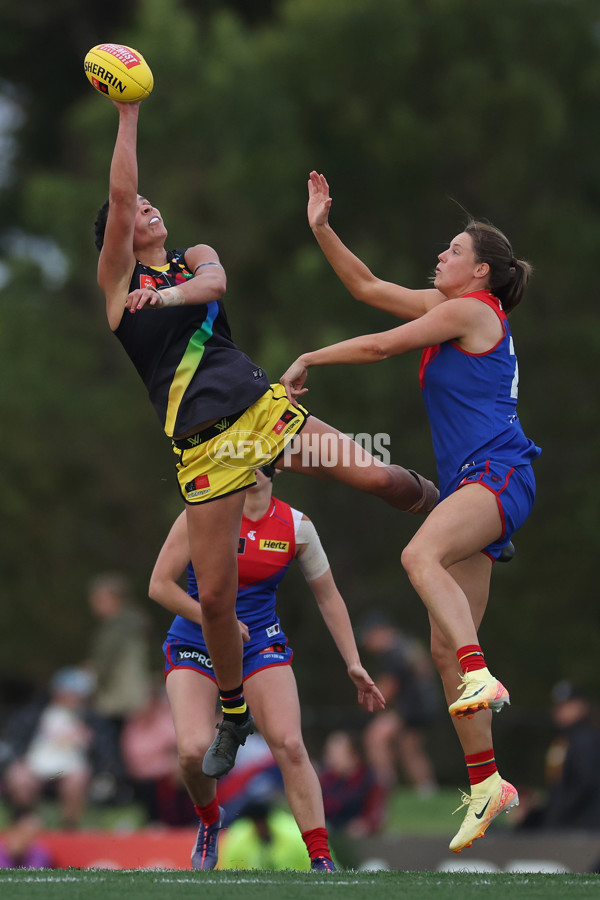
(369, 694)
(293, 381)
(319, 201)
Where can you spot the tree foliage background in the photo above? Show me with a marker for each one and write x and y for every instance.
(417, 111)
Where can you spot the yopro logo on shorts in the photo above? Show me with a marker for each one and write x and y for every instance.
(189, 655)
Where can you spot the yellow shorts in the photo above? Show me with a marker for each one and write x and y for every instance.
(222, 459)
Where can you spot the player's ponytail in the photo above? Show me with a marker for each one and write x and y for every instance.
(508, 275)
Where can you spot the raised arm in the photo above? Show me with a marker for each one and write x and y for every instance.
(315, 568)
(355, 275)
(117, 259)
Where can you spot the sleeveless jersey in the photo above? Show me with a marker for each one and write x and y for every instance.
(185, 355)
(265, 550)
(471, 402)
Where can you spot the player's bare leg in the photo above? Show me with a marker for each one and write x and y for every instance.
(274, 698)
(193, 698)
(324, 452)
(490, 794)
(214, 530)
(455, 531)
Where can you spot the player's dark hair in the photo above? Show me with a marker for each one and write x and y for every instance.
(100, 226)
(508, 275)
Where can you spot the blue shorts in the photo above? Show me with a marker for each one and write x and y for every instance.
(514, 489)
(187, 655)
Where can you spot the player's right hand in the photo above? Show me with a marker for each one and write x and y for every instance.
(293, 381)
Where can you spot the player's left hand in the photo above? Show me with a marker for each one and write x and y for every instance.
(319, 201)
(369, 694)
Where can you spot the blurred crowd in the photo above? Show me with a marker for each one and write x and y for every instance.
(102, 734)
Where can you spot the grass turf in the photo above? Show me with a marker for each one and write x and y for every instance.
(75, 884)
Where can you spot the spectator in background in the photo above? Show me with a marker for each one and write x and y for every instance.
(20, 846)
(120, 651)
(407, 680)
(352, 798)
(58, 740)
(263, 838)
(149, 751)
(572, 772)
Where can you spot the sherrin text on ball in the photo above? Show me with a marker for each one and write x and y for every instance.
(119, 72)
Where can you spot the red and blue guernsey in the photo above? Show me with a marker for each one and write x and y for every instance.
(471, 402)
(266, 548)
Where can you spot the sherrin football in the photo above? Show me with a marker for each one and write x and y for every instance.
(119, 72)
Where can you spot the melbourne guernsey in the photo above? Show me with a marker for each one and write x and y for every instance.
(266, 548)
(471, 402)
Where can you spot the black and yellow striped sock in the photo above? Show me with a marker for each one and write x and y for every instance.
(234, 705)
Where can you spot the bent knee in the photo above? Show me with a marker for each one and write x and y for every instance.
(290, 748)
(414, 559)
(191, 754)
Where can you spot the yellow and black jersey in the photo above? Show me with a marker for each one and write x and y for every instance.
(185, 355)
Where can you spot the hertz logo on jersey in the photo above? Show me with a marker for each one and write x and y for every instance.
(280, 546)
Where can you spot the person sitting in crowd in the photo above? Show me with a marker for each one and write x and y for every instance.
(149, 751)
(58, 741)
(353, 801)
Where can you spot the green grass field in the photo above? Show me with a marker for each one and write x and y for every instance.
(75, 884)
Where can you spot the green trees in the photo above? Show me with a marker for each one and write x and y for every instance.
(417, 111)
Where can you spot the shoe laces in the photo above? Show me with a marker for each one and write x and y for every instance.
(463, 682)
(220, 740)
(466, 800)
(466, 680)
(206, 836)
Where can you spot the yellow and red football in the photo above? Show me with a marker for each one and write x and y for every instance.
(119, 72)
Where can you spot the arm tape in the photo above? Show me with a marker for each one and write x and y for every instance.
(172, 296)
(205, 264)
(313, 560)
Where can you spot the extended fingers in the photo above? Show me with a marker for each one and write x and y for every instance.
(318, 183)
(140, 298)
